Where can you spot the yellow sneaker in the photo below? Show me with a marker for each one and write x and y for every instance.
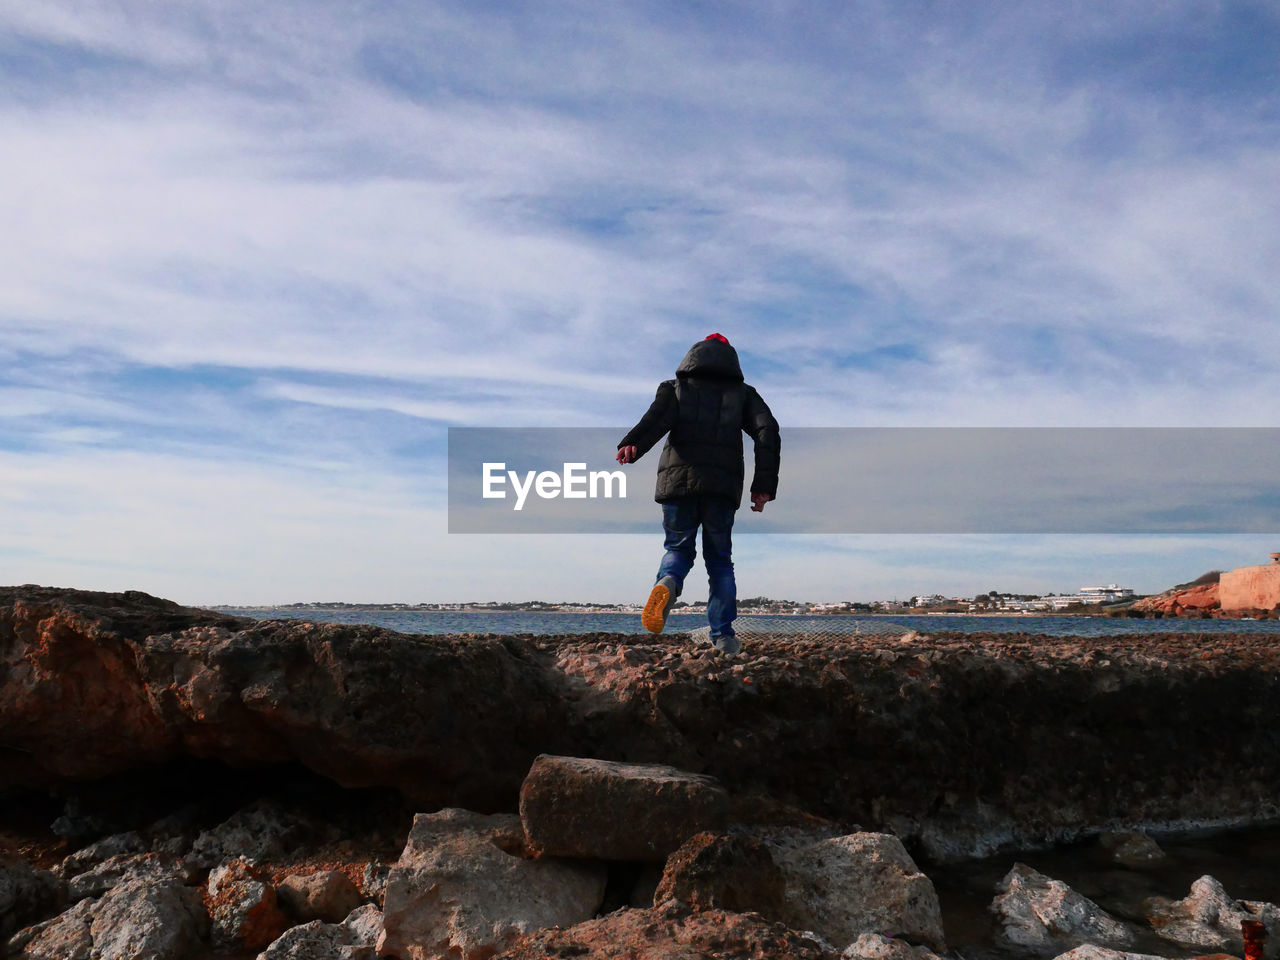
(656, 608)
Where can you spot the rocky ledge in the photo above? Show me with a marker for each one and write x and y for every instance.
(956, 743)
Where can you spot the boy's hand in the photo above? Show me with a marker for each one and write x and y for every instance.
(627, 454)
(758, 500)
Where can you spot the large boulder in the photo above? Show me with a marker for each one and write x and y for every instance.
(580, 807)
(1036, 911)
(730, 873)
(326, 895)
(242, 906)
(672, 931)
(1209, 919)
(465, 888)
(843, 887)
(147, 920)
(355, 938)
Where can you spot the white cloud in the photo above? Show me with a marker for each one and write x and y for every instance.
(323, 224)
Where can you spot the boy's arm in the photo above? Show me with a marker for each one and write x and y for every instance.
(657, 420)
(758, 421)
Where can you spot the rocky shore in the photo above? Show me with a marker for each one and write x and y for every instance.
(684, 801)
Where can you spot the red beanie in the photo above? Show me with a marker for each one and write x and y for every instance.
(716, 336)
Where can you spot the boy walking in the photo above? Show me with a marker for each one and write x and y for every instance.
(704, 411)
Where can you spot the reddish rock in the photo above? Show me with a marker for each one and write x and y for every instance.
(242, 906)
(952, 741)
(327, 895)
(1193, 600)
(725, 872)
(604, 810)
(672, 932)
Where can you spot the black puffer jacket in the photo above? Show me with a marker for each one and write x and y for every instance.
(706, 409)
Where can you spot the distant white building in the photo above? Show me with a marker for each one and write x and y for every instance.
(1108, 594)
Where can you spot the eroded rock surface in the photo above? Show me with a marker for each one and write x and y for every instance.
(725, 872)
(876, 946)
(862, 883)
(672, 931)
(25, 893)
(951, 741)
(600, 809)
(464, 888)
(243, 907)
(1040, 912)
(327, 895)
(355, 938)
(1208, 918)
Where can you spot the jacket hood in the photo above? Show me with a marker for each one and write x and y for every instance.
(713, 359)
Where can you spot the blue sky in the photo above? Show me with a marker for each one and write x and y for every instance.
(256, 261)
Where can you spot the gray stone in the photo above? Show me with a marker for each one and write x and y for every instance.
(876, 946)
(1208, 919)
(1041, 913)
(260, 831)
(1091, 952)
(1134, 850)
(112, 870)
(846, 886)
(25, 894)
(354, 939)
(86, 858)
(373, 881)
(147, 920)
(463, 888)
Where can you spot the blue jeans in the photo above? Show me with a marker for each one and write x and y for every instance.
(680, 521)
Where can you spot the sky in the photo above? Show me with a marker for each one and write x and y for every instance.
(256, 260)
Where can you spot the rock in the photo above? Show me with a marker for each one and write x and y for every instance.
(64, 937)
(113, 870)
(115, 845)
(327, 895)
(463, 888)
(353, 939)
(1208, 919)
(1091, 952)
(1038, 912)
(601, 809)
(672, 931)
(242, 906)
(261, 831)
(147, 920)
(876, 946)
(373, 881)
(861, 883)
(725, 872)
(25, 894)
(950, 741)
(1202, 597)
(1134, 850)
